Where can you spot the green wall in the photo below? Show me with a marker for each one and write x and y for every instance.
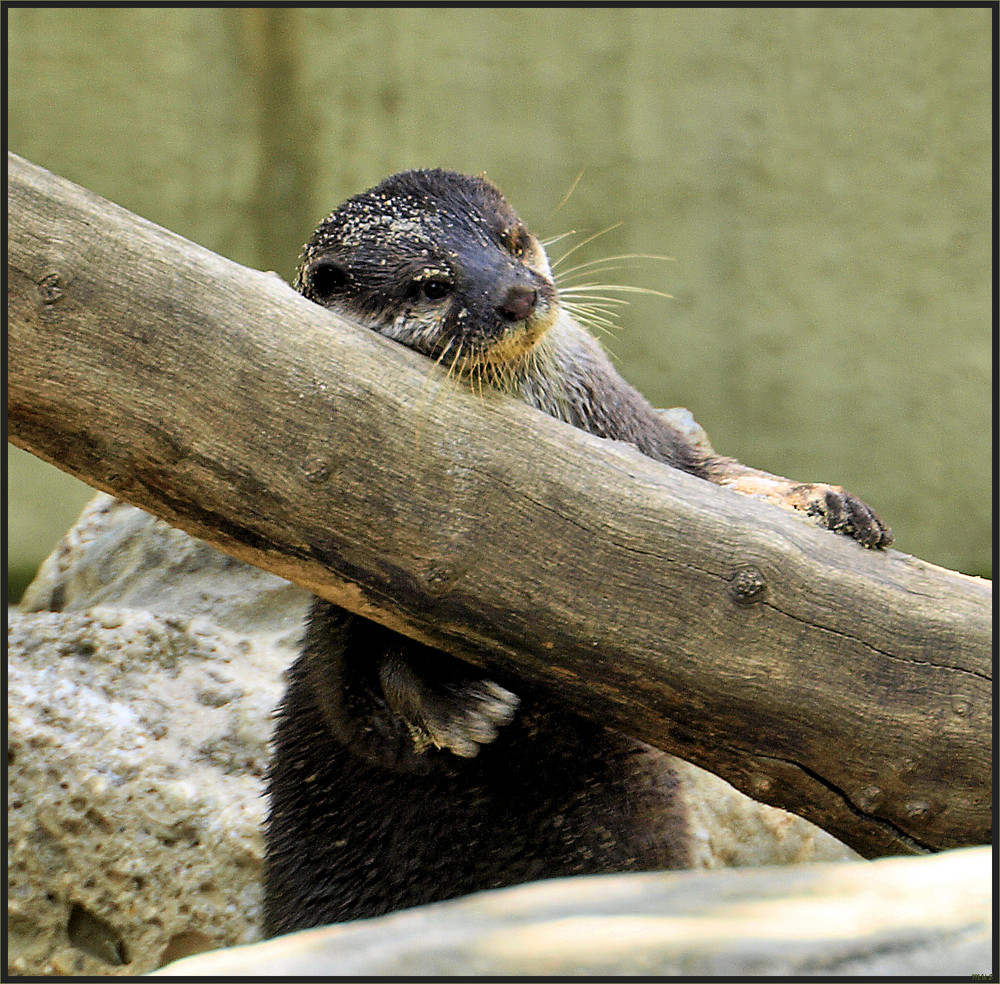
(821, 177)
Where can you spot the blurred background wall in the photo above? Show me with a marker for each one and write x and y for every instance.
(821, 177)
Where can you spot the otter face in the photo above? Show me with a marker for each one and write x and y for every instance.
(438, 261)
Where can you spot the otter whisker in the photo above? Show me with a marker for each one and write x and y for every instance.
(566, 197)
(597, 315)
(608, 331)
(612, 259)
(455, 366)
(586, 304)
(583, 242)
(480, 375)
(552, 240)
(504, 379)
(573, 296)
(626, 288)
(597, 306)
(444, 352)
(437, 362)
(596, 322)
(583, 277)
(582, 287)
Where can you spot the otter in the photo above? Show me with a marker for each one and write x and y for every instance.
(401, 775)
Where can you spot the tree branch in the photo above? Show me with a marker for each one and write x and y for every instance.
(852, 687)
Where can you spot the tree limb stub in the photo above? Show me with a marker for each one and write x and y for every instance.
(852, 687)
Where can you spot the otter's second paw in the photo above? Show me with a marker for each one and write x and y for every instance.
(842, 512)
(830, 505)
(457, 714)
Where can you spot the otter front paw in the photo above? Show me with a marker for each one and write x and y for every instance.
(830, 505)
(392, 701)
(454, 713)
(844, 513)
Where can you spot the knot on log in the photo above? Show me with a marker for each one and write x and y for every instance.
(49, 288)
(316, 470)
(747, 586)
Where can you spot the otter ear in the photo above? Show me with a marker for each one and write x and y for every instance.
(324, 279)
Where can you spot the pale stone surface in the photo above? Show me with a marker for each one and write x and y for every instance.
(143, 669)
(909, 917)
(136, 747)
(139, 716)
(730, 830)
(118, 555)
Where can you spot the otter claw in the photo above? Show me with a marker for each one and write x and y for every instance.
(457, 715)
(842, 512)
(467, 716)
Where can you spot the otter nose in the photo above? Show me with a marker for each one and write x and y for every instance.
(518, 303)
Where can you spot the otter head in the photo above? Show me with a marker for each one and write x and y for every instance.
(438, 261)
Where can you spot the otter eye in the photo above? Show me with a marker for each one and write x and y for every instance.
(434, 288)
(326, 278)
(516, 240)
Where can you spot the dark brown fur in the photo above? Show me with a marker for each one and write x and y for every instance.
(350, 837)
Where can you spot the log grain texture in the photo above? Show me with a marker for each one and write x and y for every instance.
(852, 687)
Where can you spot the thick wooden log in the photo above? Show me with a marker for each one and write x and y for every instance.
(852, 687)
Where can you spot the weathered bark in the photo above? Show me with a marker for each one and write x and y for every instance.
(849, 686)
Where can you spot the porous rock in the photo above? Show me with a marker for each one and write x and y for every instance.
(139, 714)
(143, 667)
